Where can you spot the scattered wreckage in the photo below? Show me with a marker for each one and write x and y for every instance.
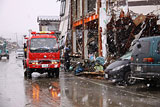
(120, 33)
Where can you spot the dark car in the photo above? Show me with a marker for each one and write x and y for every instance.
(119, 71)
(145, 60)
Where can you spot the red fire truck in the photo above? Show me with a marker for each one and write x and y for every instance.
(42, 54)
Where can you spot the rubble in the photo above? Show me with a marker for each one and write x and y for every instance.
(122, 26)
(97, 75)
(120, 33)
(90, 68)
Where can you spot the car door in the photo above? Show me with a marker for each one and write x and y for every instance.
(156, 55)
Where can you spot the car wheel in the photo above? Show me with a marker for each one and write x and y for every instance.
(25, 74)
(8, 57)
(128, 79)
(28, 73)
(57, 73)
(50, 74)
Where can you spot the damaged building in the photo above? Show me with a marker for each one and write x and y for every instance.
(107, 27)
(49, 23)
(125, 25)
(85, 27)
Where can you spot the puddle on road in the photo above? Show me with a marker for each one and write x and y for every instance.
(70, 92)
(41, 90)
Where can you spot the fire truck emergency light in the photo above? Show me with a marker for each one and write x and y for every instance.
(43, 32)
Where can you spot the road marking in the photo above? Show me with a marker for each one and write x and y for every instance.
(119, 88)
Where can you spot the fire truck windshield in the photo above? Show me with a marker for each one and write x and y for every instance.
(39, 45)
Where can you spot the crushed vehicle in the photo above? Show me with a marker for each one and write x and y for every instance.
(119, 71)
(145, 60)
(3, 50)
(42, 54)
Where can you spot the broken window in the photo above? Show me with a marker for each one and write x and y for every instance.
(91, 5)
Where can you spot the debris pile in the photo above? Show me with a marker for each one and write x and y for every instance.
(121, 32)
(93, 68)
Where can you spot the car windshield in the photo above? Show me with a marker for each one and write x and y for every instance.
(43, 45)
(126, 56)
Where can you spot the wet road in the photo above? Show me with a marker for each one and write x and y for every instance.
(67, 91)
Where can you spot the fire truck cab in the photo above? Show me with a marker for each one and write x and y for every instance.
(42, 54)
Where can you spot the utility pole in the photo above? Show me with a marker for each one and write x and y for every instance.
(16, 38)
(83, 28)
(99, 30)
(71, 18)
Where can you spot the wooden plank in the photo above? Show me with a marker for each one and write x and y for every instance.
(139, 19)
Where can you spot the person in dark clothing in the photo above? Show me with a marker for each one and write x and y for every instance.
(25, 50)
(67, 59)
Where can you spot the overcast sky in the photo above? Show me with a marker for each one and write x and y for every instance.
(18, 16)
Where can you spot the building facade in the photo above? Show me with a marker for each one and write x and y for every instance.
(90, 22)
(49, 23)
